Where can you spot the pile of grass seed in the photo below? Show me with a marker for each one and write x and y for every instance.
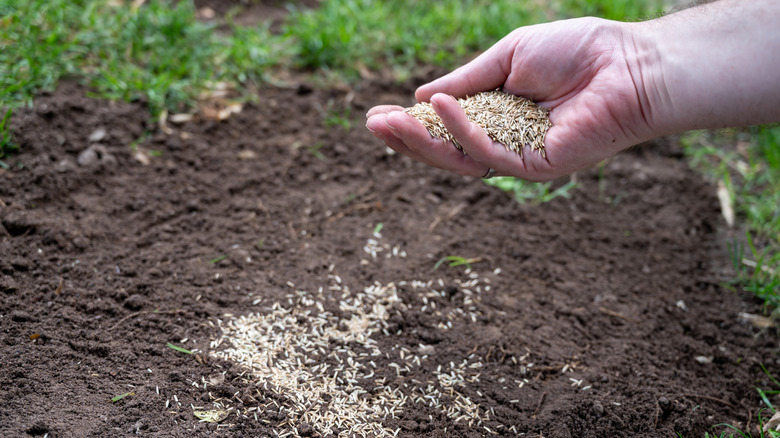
(513, 121)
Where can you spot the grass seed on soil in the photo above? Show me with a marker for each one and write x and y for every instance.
(568, 326)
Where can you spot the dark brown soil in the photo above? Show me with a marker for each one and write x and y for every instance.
(607, 317)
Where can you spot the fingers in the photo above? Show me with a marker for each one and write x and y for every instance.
(486, 72)
(383, 109)
(407, 135)
(377, 125)
(483, 150)
(472, 138)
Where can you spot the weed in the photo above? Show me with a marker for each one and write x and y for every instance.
(218, 259)
(121, 396)
(525, 191)
(315, 150)
(456, 261)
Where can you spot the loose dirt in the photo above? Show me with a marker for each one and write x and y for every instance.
(600, 315)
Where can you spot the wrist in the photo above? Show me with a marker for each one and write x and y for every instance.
(710, 66)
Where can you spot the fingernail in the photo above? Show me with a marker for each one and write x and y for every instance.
(435, 100)
(392, 128)
(368, 121)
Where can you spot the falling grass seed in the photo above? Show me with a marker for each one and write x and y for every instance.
(511, 120)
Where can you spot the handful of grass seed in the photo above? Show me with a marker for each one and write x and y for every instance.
(513, 121)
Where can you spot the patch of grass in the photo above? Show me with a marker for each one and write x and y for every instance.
(757, 272)
(354, 35)
(157, 52)
(621, 10)
(747, 164)
(6, 144)
(746, 434)
(526, 191)
(764, 393)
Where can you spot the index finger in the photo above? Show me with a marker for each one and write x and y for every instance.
(383, 109)
(486, 72)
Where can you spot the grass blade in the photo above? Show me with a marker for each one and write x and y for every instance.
(177, 348)
(121, 396)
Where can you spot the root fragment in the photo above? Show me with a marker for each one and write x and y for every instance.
(513, 121)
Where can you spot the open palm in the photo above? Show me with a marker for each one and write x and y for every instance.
(579, 69)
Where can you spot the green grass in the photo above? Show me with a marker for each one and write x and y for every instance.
(747, 164)
(347, 36)
(6, 144)
(161, 54)
(622, 10)
(177, 348)
(121, 396)
(158, 52)
(455, 261)
(525, 191)
(218, 259)
(763, 415)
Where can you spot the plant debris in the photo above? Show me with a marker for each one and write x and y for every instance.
(513, 121)
(212, 416)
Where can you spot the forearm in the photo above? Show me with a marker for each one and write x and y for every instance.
(711, 66)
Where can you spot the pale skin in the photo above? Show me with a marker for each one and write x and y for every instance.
(609, 86)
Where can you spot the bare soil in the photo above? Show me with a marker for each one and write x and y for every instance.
(596, 316)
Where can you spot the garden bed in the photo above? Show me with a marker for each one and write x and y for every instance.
(288, 227)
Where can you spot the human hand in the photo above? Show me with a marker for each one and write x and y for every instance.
(584, 70)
